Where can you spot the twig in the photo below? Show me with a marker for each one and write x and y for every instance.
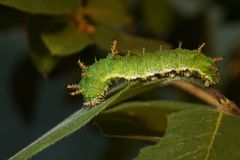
(211, 96)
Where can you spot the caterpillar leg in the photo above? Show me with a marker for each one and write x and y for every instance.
(75, 87)
(75, 93)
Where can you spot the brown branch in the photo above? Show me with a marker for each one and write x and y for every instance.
(211, 96)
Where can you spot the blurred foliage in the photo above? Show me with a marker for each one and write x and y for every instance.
(44, 6)
(83, 23)
(158, 18)
(68, 28)
(39, 53)
(59, 30)
(110, 12)
(126, 41)
(64, 38)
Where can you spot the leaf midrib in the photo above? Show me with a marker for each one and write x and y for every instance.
(210, 146)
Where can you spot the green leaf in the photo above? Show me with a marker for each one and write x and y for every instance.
(104, 36)
(197, 134)
(108, 12)
(43, 62)
(44, 6)
(39, 54)
(140, 119)
(64, 38)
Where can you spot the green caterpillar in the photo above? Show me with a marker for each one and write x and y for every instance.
(143, 66)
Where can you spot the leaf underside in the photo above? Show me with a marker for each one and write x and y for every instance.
(140, 120)
(200, 134)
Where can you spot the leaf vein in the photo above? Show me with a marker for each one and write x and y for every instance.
(186, 139)
(191, 153)
(219, 118)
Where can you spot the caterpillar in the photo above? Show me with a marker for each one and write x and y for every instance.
(141, 65)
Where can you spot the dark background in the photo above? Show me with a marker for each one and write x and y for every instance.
(30, 104)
